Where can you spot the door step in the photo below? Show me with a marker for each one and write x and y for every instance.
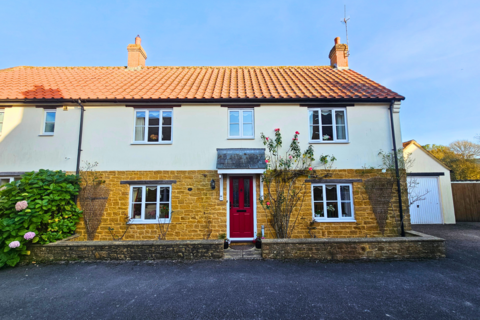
(244, 254)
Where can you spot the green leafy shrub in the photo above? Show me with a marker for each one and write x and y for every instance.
(40, 203)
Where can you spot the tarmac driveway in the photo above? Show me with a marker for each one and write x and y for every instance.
(434, 289)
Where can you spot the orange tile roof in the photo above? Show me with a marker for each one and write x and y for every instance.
(188, 83)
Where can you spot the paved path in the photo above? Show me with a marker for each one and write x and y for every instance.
(241, 289)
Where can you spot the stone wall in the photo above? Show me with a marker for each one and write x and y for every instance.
(415, 246)
(193, 209)
(126, 250)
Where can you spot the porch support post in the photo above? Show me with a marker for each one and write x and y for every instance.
(221, 186)
(261, 187)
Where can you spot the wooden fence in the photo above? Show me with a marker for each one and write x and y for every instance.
(466, 200)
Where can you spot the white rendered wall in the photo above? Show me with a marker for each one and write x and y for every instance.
(424, 163)
(198, 130)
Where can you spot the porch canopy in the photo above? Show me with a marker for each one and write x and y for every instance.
(240, 161)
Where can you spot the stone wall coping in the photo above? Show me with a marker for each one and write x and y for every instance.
(130, 243)
(412, 236)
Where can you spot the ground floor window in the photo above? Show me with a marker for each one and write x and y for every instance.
(5, 180)
(332, 202)
(150, 204)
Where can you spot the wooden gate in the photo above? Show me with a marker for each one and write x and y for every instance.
(466, 200)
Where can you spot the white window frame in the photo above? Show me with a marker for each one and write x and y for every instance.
(10, 179)
(240, 123)
(334, 126)
(3, 120)
(145, 140)
(144, 194)
(339, 201)
(47, 111)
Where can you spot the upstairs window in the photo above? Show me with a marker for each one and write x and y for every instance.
(241, 124)
(1, 120)
(332, 202)
(153, 126)
(328, 125)
(150, 204)
(49, 124)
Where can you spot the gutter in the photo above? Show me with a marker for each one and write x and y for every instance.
(397, 172)
(80, 135)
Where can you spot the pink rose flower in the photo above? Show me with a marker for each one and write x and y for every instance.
(310, 168)
(266, 138)
(268, 203)
(21, 205)
(14, 244)
(290, 157)
(266, 161)
(278, 129)
(29, 235)
(296, 132)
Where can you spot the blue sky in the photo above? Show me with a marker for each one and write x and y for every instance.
(424, 50)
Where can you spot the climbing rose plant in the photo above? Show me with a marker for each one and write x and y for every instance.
(284, 179)
(38, 208)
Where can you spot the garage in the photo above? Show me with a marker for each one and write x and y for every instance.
(428, 210)
(431, 179)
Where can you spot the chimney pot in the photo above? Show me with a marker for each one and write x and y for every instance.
(339, 55)
(138, 40)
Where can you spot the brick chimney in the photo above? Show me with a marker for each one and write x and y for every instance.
(136, 54)
(339, 55)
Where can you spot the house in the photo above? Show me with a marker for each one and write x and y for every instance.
(176, 145)
(429, 179)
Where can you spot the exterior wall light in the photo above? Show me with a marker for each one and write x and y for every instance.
(212, 184)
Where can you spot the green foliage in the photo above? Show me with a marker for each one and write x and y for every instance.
(51, 213)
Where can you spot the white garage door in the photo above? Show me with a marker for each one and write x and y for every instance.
(428, 210)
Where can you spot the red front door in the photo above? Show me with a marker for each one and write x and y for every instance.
(241, 207)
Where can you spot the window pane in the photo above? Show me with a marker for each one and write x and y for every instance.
(234, 130)
(137, 194)
(327, 133)
(314, 117)
(345, 192)
(139, 133)
(153, 134)
(318, 210)
(234, 117)
(153, 118)
(49, 127)
(248, 130)
(140, 119)
(346, 209)
(318, 193)
(315, 132)
(1, 127)
(331, 192)
(164, 194)
(247, 117)
(332, 210)
(164, 211)
(167, 118)
(166, 133)
(50, 117)
(151, 195)
(341, 134)
(326, 117)
(246, 193)
(1, 116)
(4, 181)
(150, 211)
(339, 117)
(136, 211)
(235, 193)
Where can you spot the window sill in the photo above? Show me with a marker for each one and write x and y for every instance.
(46, 135)
(333, 220)
(137, 221)
(232, 138)
(326, 142)
(150, 143)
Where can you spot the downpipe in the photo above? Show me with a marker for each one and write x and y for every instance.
(397, 172)
(80, 136)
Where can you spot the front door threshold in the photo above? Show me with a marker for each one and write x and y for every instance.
(249, 254)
